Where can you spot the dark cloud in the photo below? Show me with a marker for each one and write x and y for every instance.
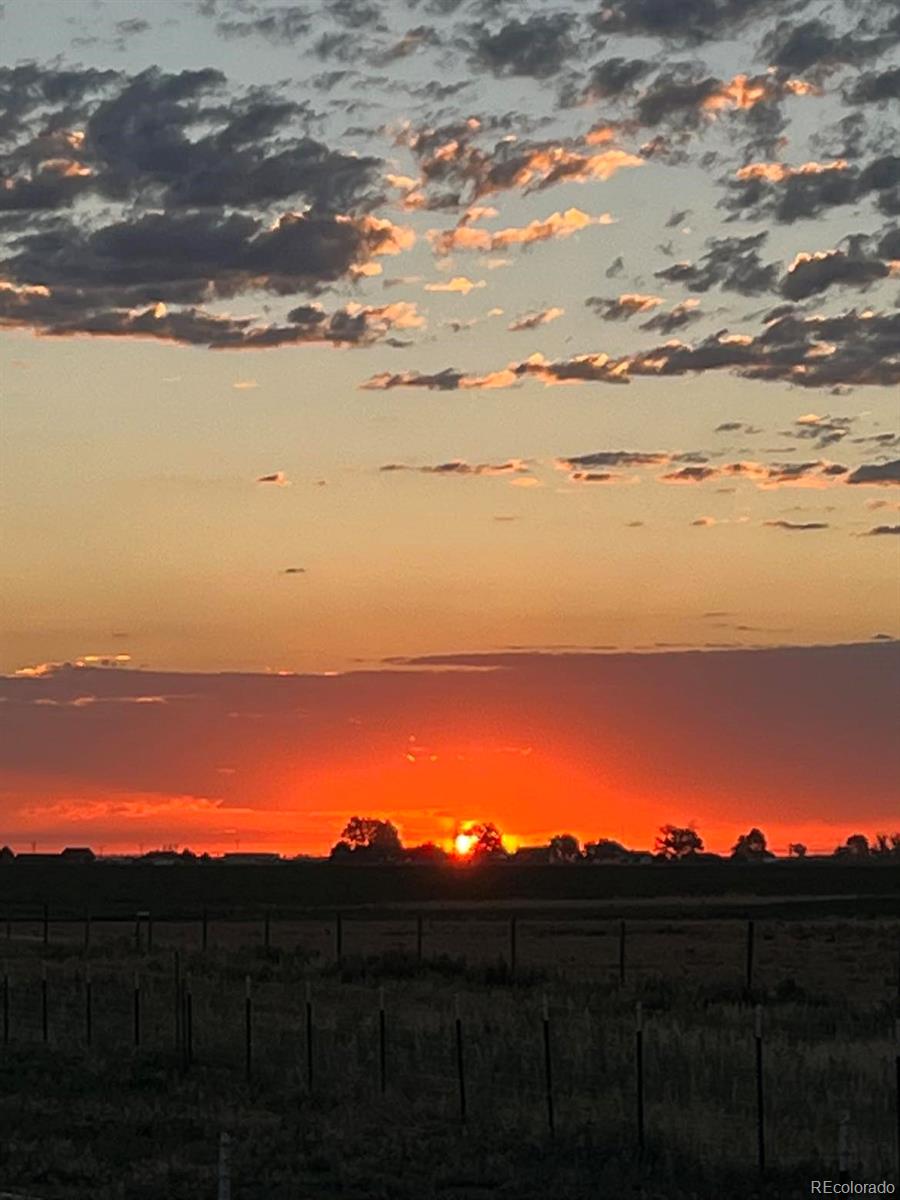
(875, 87)
(457, 466)
(732, 263)
(616, 458)
(811, 352)
(746, 716)
(277, 24)
(791, 194)
(678, 317)
(689, 21)
(608, 80)
(887, 473)
(615, 268)
(814, 46)
(622, 308)
(882, 530)
(823, 431)
(811, 274)
(797, 526)
(537, 46)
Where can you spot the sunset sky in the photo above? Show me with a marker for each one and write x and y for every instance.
(448, 410)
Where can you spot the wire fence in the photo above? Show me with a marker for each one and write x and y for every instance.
(722, 1078)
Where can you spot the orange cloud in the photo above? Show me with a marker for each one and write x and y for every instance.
(774, 172)
(459, 283)
(557, 225)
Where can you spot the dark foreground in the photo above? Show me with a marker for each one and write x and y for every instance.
(123, 1063)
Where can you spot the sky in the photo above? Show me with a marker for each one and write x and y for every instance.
(452, 410)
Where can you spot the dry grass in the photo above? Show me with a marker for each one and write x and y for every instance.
(111, 1120)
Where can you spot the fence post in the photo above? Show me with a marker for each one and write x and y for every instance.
(188, 1022)
(45, 1020)
(176, 964)
(844, 1148)
(382, 1042)
(309, 1036)
(460, 1062)
(760, 1094)
(88, 1006)
(639, 1071)
(513, 948)
(338, 938)
(750, 948)
(223, 1191)
(248, 1030)
(621, 952)
(419, 937)
(137, 1009)
(548, 1067)
(46, 925)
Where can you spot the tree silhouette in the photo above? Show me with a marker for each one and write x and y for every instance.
(564, 848)
(488, 842)
(856, 846)
(369, 838)
(751, 847)
(797, 850)
(678, 842)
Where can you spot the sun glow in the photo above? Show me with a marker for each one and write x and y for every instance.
(463, 844)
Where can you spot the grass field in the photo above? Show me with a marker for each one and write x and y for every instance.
(112, 1119)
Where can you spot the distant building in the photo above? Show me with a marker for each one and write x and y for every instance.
(78, 854)
(241, 858)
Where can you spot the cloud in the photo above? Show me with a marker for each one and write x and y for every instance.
(886, 474)
(455, 169)
(814, 46)
(609, 79)
(745, 715)
(732, 263)
(679, 316)
(294, 571)
(457, 466)
(818, 473)
(279, 25)
(800, 527)
(623, 307)
(882, 530)
(811, 352)
(875, 87)
(614, 458)
(277, 477)
(810, 274)
(538, 46)
(557, 225)
(823, 430)
(792, 193)
(533, 320)
(689, 21)
(459, 283)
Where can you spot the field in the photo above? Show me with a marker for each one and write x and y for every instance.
(391, 1002)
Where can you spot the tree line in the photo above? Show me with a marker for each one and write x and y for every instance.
(372, 839)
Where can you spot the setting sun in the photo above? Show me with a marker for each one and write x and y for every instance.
(463, 844)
